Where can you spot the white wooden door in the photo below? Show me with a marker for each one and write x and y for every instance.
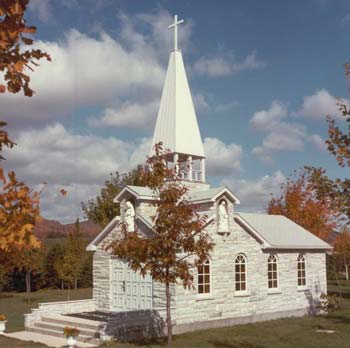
(130, 291)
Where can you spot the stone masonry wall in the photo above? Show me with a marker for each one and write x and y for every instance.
(223, 302)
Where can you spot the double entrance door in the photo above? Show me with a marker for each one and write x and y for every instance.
(130, 290)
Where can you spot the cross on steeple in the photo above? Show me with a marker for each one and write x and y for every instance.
(174, 25)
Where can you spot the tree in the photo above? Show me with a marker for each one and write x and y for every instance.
(74, 254)
(338, 143)
(54, 253)
(14, 59)
(19, 206)
(298, 201)
(19, 209)
(342, 250)
(179, 242)
(31, 261)
(102, 210)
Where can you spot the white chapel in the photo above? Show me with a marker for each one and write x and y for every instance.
(262, 266)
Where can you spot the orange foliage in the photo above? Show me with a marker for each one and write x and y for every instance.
(298, 202)
(19, 209)
(14, 60)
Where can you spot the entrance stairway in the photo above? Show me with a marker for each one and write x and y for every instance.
(53, 325)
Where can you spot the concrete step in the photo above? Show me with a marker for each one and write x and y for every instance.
(55, 333)
(60, 327)
(71, 321)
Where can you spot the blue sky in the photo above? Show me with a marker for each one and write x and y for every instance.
(263, 75)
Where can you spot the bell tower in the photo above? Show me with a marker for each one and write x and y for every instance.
(177, 126)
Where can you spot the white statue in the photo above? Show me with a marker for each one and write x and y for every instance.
(223, 217)
(129, 217)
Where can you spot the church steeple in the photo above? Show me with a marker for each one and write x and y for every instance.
(177, 126)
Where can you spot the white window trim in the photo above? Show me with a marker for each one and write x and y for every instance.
(206, 295)
(246, 292)
(302, 287)
(273, 290)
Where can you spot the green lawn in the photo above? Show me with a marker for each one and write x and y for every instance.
(281, 333)
(14, 305)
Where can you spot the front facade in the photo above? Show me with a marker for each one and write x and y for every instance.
(262, 266)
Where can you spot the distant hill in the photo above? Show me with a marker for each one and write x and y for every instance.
(49, 229)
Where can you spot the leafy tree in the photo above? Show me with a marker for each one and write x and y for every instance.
(19, 209)
(54, 253)
(74, 254)
(102, 210)
(338, 142)
(342, 250)
(298, 202)
(19, 206)
(31, 261)
(179, 242)
(14, 59)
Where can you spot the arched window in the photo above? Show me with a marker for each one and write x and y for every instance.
(241, 273)
(301, 270)
(204, 278)
(272, 273)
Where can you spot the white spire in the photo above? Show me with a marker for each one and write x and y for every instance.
(177, 124)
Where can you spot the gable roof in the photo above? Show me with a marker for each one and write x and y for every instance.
(210, 195)
(140, 192)
(146, 220)
(195, 196)
(92, 245)
(277, 231)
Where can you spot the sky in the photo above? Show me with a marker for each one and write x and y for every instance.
(263, 76)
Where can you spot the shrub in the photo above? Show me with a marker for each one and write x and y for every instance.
(329, 303)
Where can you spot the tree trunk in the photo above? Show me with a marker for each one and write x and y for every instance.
(337, 278)
(68, 298)
(62, 286)
(168, 315)
(346, 270)
(75, 283)
(28, 287)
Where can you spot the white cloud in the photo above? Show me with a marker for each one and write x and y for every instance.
(222, 159)
(78, 163)
(318, 142)
(264, 120)
(42, 8)
(255, 194)
(86, 71)
(226, 65)
(128, 115)
(280, 135)
(66, 209)
(283, 137)
(318, 106)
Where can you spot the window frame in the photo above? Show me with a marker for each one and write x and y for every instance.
(203, 274)
(243, 261)
(301, 260)
(272, 260)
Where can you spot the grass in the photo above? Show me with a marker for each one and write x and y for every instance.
(6, 342)
(281, 333)
(14, 305)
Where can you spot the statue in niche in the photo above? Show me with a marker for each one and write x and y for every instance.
(129, 217)
(223, 217)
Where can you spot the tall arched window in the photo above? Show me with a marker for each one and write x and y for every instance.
(204, 278)
(241, 273)
(301, 270)
(272, 272)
